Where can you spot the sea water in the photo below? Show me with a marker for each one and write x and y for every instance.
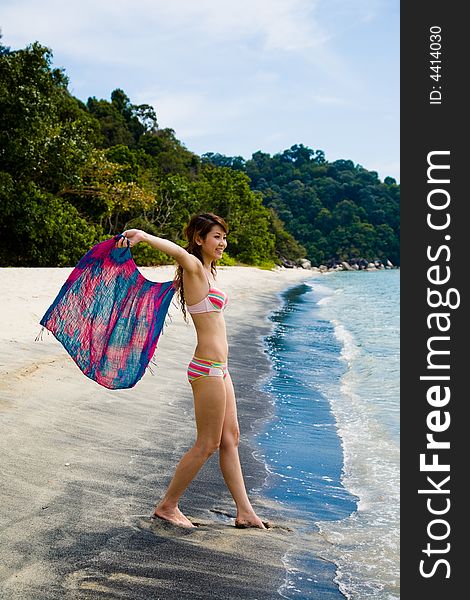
(333, 445)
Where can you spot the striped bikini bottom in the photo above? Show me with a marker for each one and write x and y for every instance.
(203, 367)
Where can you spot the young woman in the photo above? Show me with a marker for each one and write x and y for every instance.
(214, 397)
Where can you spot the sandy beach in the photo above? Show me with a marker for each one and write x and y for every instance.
(83, 466)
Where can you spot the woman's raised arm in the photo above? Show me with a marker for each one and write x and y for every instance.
(188, 261)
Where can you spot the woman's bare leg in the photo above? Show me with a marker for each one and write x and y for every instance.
(209, 407)
(230, 461)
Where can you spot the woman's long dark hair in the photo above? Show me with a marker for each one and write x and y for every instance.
(198, 226)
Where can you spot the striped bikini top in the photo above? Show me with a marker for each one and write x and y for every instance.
(215, 301)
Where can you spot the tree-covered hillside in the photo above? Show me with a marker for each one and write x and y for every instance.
(73, 174)
(336, 210)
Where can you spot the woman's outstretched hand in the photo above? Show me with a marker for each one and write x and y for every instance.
(133, 236)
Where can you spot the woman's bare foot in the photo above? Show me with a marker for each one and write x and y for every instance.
(173, 515)
(249, 520)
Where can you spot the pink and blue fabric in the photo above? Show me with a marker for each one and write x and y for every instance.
(108, 316)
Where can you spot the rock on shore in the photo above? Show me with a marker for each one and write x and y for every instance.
(353, 264)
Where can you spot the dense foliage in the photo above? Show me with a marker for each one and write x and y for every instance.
(335, 210)
(72, 174)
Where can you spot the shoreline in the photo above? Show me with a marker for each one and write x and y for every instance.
(306, 565)
(370, 438)
(84, 465)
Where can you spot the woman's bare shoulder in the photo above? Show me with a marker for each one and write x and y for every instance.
(195, 272)
(190, 264)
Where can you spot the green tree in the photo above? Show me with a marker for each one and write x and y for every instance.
(121, 121)
(332, 209)
(227, 193)
(45, 136)
(71, 174)
(39, 229)
(285, 244)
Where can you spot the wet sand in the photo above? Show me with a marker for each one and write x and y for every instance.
(83, 466)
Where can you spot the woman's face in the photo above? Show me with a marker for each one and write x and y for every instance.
(215, 242)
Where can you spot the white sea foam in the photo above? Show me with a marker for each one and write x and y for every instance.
(356, 370)
(365, 545)
(323, 293)
(350, 349)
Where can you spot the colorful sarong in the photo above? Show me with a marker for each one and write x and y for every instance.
(108, 316)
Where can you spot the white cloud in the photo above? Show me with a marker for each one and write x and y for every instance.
(195, 115)
(163, 35)
(191, 114)
(228, 75)
(108, 25)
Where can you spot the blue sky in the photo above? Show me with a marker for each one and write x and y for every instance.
(236, 77)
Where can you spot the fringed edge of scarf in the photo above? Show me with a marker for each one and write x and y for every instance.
(39, 336)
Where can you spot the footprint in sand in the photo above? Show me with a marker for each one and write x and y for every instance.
(162, 527)
(155, 524)
(228, 517)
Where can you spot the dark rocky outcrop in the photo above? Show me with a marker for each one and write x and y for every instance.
(335, 264)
